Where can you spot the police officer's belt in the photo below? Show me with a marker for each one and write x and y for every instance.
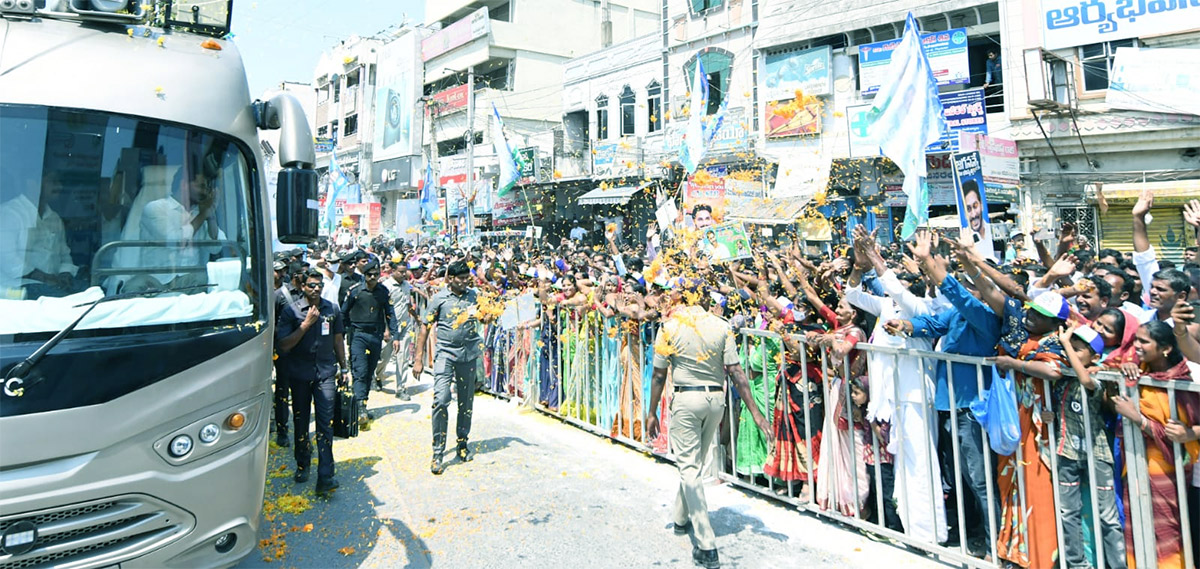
(706, 388)
(370, 329)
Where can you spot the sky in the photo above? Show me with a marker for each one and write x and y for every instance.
(281, 40)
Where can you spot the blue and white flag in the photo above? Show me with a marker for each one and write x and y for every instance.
(906, 117)
(691, 151)
(339, 186)
(509, 174)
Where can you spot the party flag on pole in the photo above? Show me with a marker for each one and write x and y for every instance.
(906, 118)
(509, 173)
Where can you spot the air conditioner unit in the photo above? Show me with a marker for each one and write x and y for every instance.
(1048, 80)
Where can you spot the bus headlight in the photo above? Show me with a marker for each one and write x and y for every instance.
(209, 433)
(180, 446)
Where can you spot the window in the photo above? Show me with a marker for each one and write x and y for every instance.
(654, 106)
(718, 64)
(337, 92)
(701, 6)
(601, 118)
(1097, 61)
(501, 13)
(352, 79)
(494, 74)
(114, 190)
(351, 125)
(323, 131)
(627, 112)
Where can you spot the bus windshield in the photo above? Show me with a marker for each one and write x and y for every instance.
(94, 205)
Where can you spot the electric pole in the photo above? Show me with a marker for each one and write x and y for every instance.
(470, 190)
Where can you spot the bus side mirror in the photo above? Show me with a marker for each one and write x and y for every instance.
(296, 205)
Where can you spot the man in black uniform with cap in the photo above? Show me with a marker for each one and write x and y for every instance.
(310, 338)
(368, 311)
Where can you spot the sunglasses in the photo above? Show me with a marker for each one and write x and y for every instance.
(313, 285)
(373, 275)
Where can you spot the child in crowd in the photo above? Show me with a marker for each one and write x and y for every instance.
(1079, 435)
(866, 433)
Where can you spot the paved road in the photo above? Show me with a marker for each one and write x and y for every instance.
(539, 494)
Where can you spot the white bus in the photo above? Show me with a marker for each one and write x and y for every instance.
(135, 283)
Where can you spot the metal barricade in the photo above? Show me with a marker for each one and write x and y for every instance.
(595, 374)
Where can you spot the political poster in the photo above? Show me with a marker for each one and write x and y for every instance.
(705, 189)
(725, 242)
(1000, 163)
(972, 203)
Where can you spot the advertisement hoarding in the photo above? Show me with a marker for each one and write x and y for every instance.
(807, 71)
(788, 118)
(965, 112)
(947, 52)
(450, 100)
(398, 85)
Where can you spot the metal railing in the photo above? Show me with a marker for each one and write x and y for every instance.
(595, 373)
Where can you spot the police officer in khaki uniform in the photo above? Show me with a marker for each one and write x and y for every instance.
(699, 348)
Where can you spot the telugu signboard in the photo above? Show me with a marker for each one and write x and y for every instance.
(461, 32)
(450, 100)
(616, 159)
(1070, 23)
(1000, 164)
(807, 71)
(733, 137)
(965, 111)
(947, 53)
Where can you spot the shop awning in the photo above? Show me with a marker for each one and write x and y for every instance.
(609, 196)
(764, 211)
(1171, 192)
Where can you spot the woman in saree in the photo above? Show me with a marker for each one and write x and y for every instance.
(842, 481)
(565, 324)
(1160, 360)
(627, 305)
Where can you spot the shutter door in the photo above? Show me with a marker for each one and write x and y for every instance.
(1167, 231)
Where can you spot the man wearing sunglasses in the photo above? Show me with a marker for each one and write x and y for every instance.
(311, 340)
(368, 309)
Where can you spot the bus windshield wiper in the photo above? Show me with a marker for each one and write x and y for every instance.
(15, 378)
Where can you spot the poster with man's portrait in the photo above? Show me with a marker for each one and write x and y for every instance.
(972, 203)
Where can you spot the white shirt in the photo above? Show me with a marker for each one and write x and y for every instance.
(31, 242)
(578, 233)
(1147, 264)
(166, 220)
(900, 304)
(329, 290)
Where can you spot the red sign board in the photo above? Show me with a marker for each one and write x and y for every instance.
(450, 100)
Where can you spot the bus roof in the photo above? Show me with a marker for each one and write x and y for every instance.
(134, 70)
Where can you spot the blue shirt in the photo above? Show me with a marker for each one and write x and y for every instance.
(971, 330)
(313, 357)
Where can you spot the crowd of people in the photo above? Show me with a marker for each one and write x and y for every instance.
(818, 413)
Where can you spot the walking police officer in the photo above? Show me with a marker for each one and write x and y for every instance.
(403, 300)
(368, 310)
(699, 349)
(455, 358)
(310, 338)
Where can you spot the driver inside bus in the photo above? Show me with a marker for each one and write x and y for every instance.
(35, 257)
(185, 216)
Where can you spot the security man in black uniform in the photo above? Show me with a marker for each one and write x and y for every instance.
(369, 312)
(286, 293)
(310, 338)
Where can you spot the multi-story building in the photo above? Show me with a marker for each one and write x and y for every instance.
(613, 129)
(1102, 98)
(509, 54)
(344, 80)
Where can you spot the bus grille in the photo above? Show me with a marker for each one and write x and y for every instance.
(96, 534)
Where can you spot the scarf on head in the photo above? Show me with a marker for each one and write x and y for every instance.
(1124, 353)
